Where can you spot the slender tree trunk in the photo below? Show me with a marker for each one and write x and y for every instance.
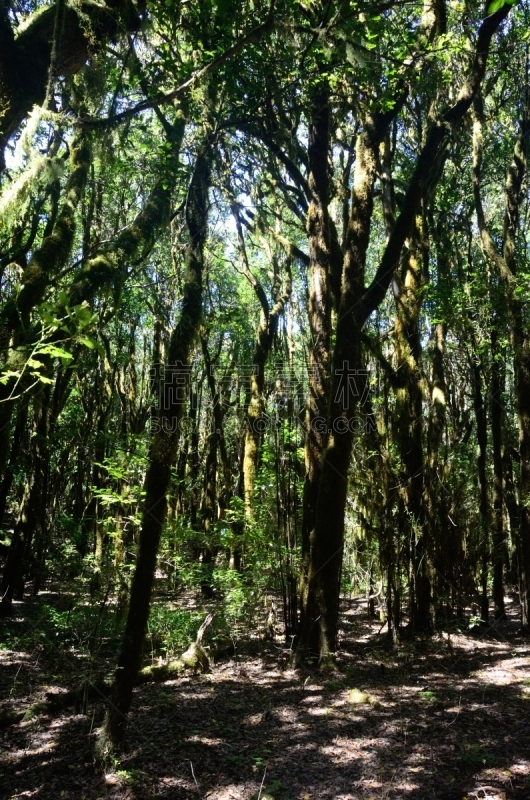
(513, 512)
(255, 419)
(506, 265)
(436, 512)
(521, 340)
(498, 538)
(30, 513)
(208, 512)
(16, 446)
(484, 505)
(318, 228)
(161, 459)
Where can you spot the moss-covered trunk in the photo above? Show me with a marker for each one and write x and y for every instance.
(30, 516)
(498, 549)
(479, 407)
(161, 458)
(409, 425)
(319, 633)
(44, 264)
(506, 264)
(319, 314)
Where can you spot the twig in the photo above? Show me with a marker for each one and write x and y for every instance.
(448, 724)
(194, 778)
(262, 782)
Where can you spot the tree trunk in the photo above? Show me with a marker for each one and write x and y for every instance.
(409, 424)
(319, 633)
(484, 505)
(161, 459)
(30, 513)
(506, 265)
(498, 538)
(319, 313)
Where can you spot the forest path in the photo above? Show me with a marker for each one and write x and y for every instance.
(441, 718)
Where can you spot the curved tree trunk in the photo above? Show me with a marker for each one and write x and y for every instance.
(161, 460)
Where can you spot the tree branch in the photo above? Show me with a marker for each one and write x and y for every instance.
(196, 77)
(422, 175)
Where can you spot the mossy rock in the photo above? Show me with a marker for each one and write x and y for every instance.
(358, 698)
(162, 672)
(9, 716)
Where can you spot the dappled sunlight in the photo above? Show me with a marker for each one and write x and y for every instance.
(232, 792)
(506, 671)
(205, 740)
(520, 768)
(387, 723)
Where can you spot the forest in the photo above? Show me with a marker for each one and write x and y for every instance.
(264, 399)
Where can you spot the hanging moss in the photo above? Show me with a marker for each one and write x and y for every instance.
(24, 77)
(110, 268)
(55, 250)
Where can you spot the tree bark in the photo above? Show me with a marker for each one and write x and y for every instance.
(506, 265)
(319, 313)
(42, 268)
(161, 459)
(484, 504)
(319, 634)
(498, 537)
(30, 513)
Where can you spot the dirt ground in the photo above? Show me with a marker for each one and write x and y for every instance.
(440, 718)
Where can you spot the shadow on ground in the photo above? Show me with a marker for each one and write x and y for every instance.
(441, 718)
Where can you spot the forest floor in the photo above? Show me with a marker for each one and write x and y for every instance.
(440, 718)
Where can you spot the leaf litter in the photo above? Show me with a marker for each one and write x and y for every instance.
(444, 717)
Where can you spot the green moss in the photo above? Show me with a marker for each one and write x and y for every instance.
(357, 697)
(35, 710)
(175, 667)
(195, 658)
(33, 21)
(162, 672)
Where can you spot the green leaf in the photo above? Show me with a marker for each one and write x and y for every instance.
(54, 351)
(8, 374)
(83, 314)
(494, 6)
(35, 363)
(90, 343)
